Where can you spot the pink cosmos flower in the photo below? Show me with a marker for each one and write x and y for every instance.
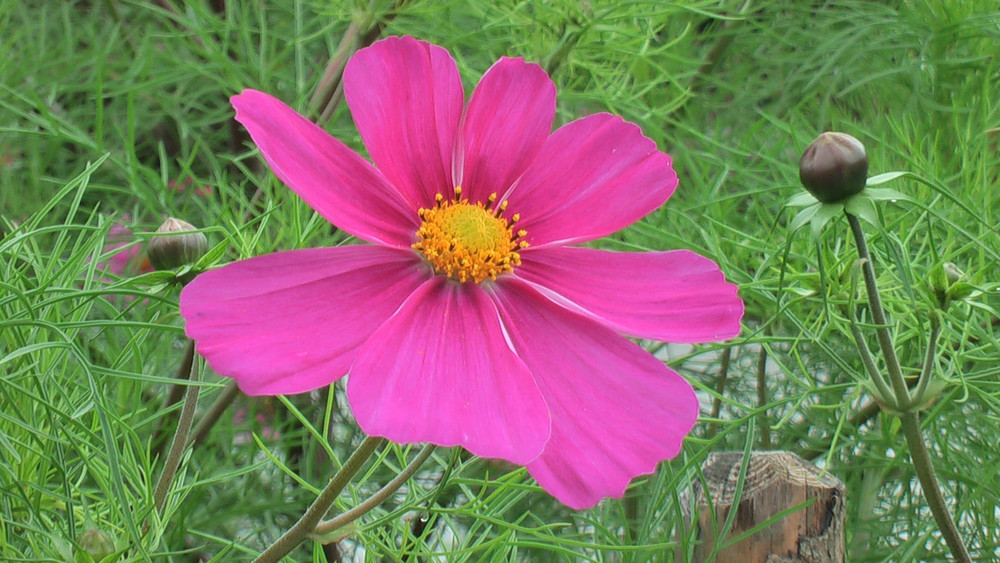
(470, 319)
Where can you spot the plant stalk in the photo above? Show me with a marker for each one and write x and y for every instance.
(924, 467)
(878, 316)
(179, 442)
(214, 413)
(307, 523)
(379, 497)
(927, 371)
(910, 420)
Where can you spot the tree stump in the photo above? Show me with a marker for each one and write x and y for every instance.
(775, 482)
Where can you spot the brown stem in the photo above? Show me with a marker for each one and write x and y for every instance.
(307, 523)
(179, 443)
(379, 497)
(176, 393)
(214, 413)
(765, 426)
(720, 388)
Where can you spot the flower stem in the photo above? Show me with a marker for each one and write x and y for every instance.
(179, 442)
(923, 466)
(926, 372)
(765, 426)
(307, 523)
(869, 363)
(215, 412)
(177, 392)
(720, 388)
(378, 498)
(910, 420)
(878, 316)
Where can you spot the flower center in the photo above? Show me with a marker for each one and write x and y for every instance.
(467, 241)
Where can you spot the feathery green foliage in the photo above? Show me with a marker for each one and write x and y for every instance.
(117, 112)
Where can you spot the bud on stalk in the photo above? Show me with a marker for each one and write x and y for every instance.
(172, 249)
(834, 167)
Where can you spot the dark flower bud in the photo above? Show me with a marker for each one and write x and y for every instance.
(834, 167)
(96, 543)
(171, 250)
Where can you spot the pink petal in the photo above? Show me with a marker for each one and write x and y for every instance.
(406, 98)
(293, 321)
(616, 410)
(675, 296)
(122, 262)
(593, 177)
(508, 119)
(440, 371)
(343, 187)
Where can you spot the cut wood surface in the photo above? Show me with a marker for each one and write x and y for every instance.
(775, 482)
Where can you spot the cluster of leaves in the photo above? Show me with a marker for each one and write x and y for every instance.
(106, 105)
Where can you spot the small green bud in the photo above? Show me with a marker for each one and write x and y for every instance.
(952, 273)
(949, 283)
(172, 250)
(834, 167)
(96, 543)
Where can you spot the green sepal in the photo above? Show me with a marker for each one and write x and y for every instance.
(883, 178)
(823, 215)
(961, 290)
(934, 389)
(801, 199)
(886, 404)
(862, 207)
(336, 534)
(804, 216)
(154, 278)
(886, 194)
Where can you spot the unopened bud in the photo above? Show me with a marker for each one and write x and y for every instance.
(96, 543)
(834, 167)
(171, 250)
(953, 273)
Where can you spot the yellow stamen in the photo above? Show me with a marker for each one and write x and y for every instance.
(468, 242)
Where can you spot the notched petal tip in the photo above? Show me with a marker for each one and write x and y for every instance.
(593, 176)
(616, 410)
(673, 296)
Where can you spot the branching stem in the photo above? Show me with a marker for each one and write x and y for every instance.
(910, 420)
(307, 523)
(378, 498)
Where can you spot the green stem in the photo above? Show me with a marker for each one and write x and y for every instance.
(179, 442)
(910, 420)
(720, 388)
(924, 468)
(878, 316)
(177, 392)
(214, 413)
(928, 368)
(307, 523)
(378, 498)
(765, 426)
(869, 363)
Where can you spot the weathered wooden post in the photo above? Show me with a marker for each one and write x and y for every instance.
(775, 482)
